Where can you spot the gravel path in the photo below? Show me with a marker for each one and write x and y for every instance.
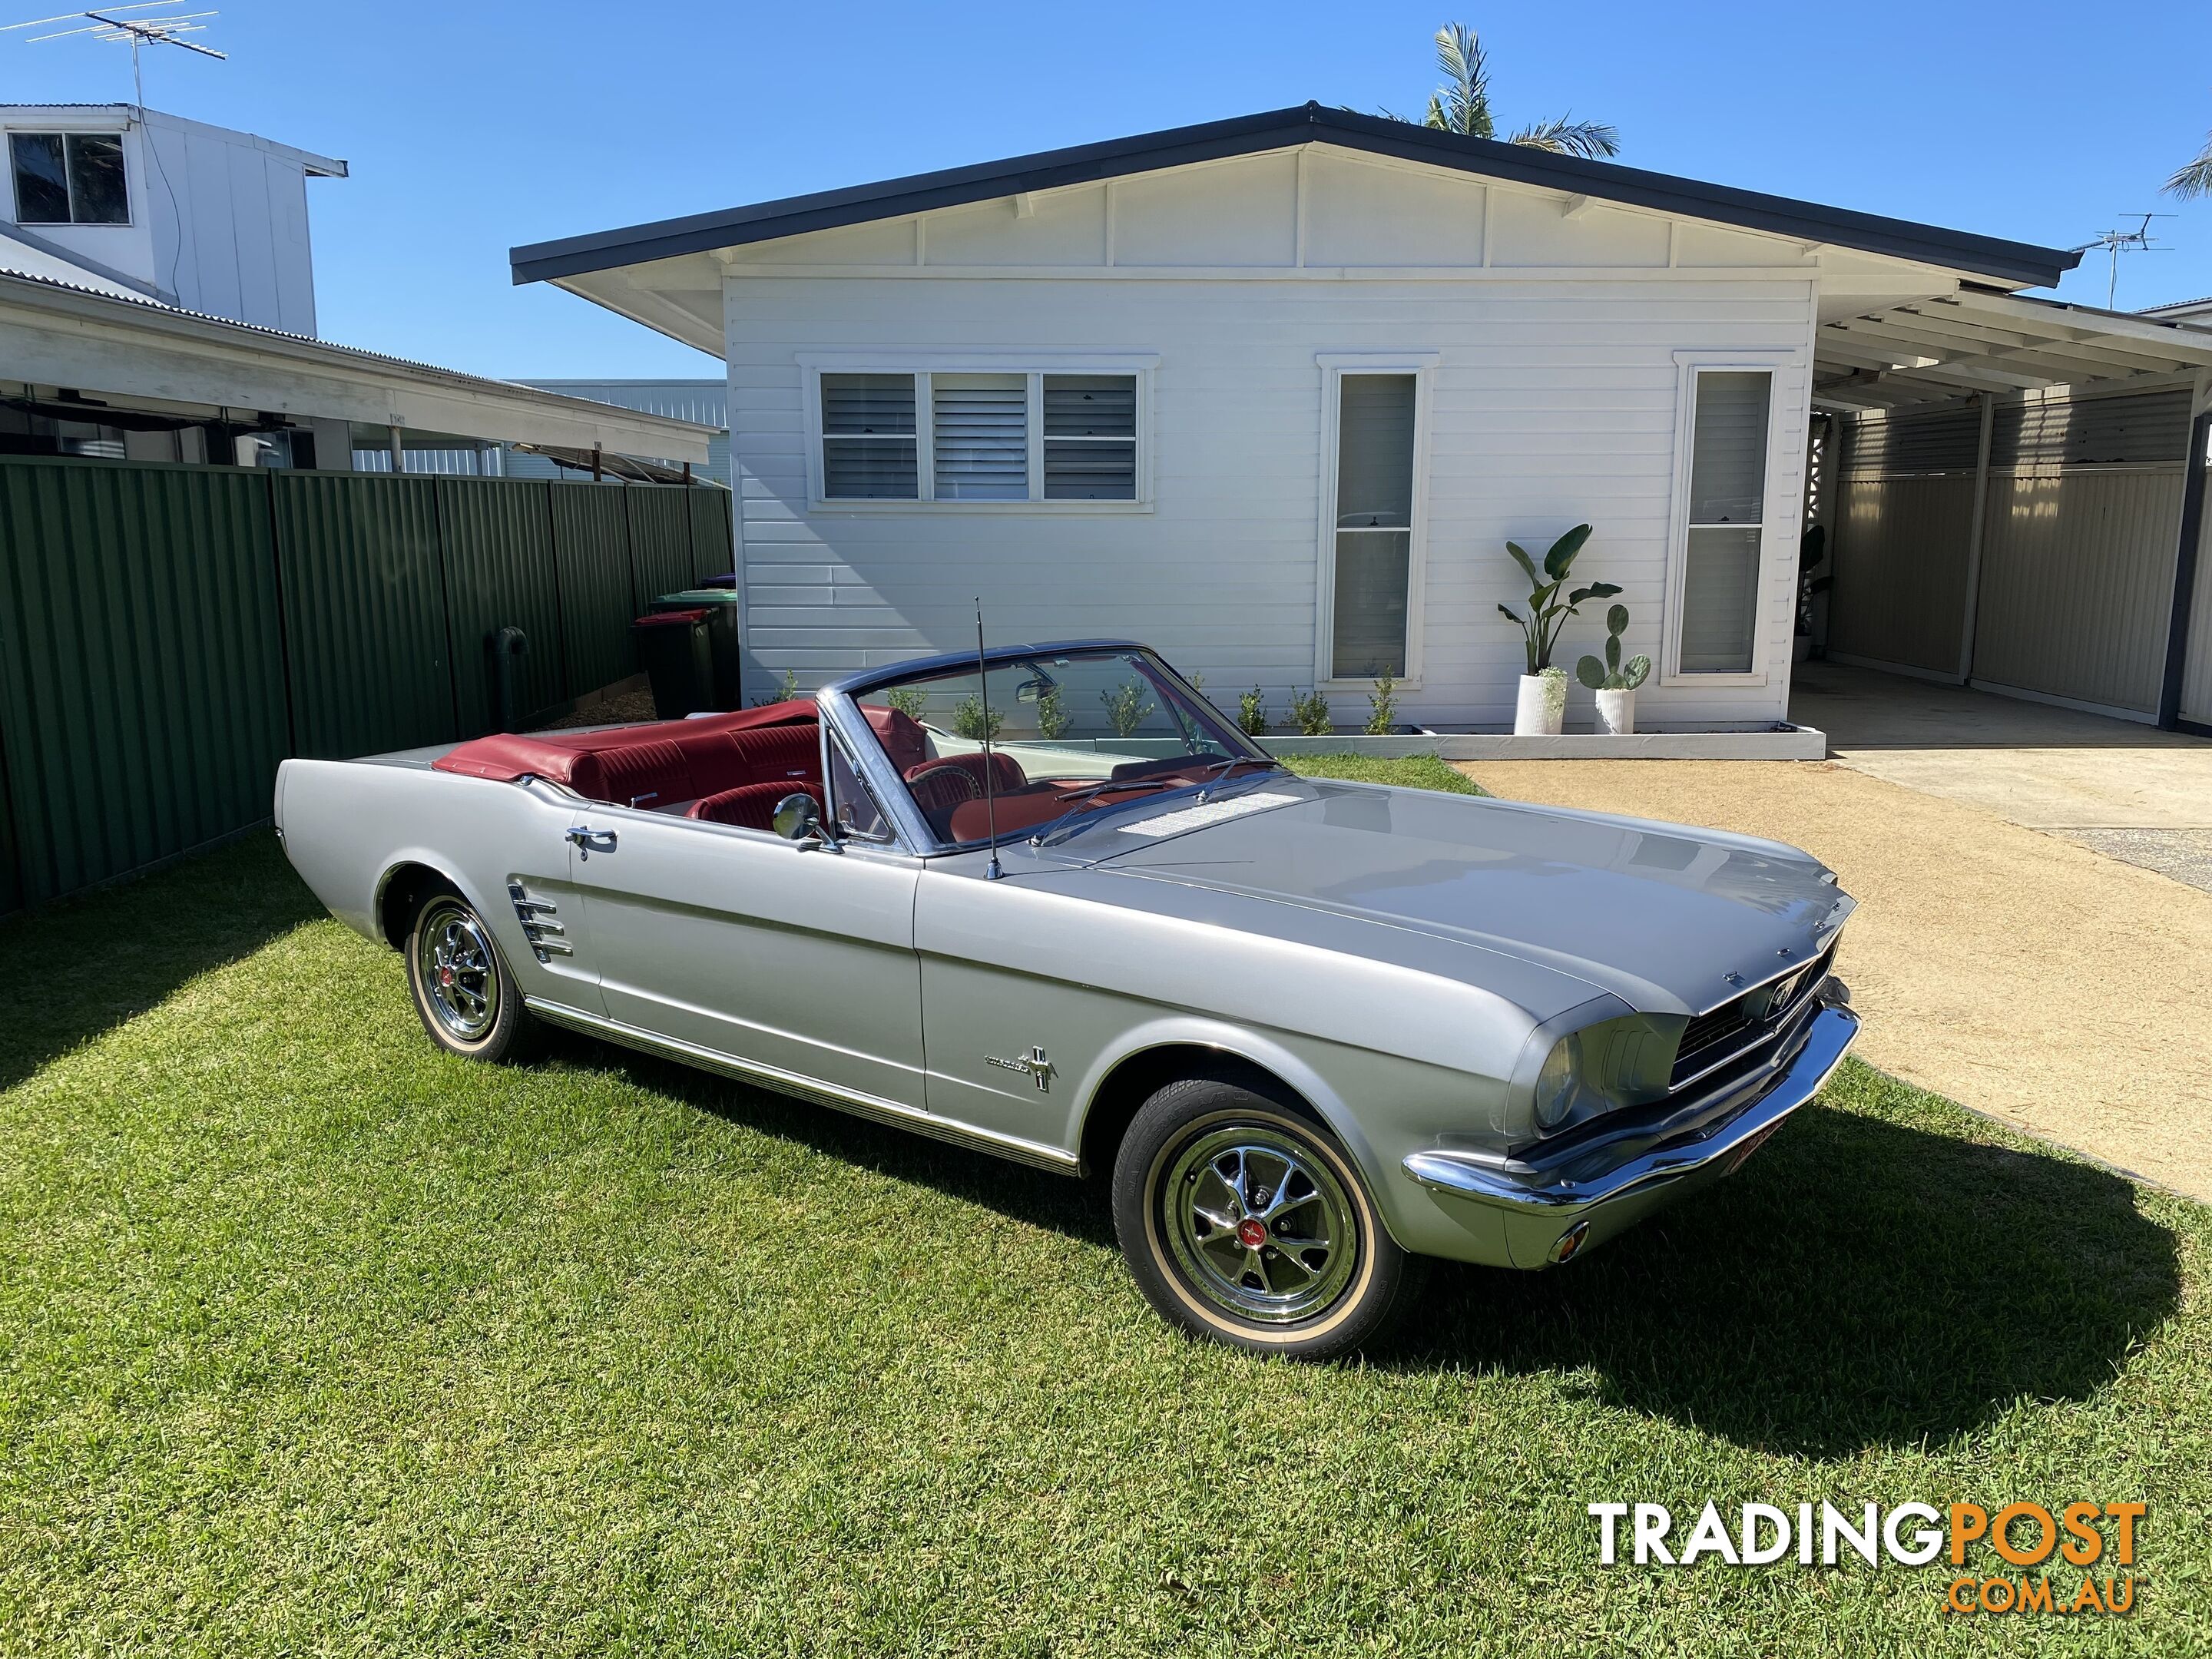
(2011, 971)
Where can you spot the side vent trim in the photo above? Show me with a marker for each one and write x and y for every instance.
(548, 939)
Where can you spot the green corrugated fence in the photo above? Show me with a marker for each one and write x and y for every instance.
(167, 634)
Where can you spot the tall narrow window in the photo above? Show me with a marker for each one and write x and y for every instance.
(1374, 524)
(1090, 437)
(1719, 607)
(65, 179)
(868, 437)
(979, 437)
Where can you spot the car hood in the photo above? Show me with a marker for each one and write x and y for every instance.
(1658, 914)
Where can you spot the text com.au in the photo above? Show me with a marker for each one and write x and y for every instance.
(2061, 1559)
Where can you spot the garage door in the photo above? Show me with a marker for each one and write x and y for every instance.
(2076, 593)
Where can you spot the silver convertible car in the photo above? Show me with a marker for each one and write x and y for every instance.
(1047, 902)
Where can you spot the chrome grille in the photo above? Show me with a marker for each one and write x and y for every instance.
(1713, 1038)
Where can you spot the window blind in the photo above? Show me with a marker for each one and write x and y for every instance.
(868, 440)
(1090, 437)
(979, 437)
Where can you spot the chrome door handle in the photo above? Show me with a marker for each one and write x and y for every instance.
(589, 841)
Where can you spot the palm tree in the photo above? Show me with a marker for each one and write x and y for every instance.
(2196, 179)
(1463, 104)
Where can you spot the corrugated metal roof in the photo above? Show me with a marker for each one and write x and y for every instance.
(115, 295)
(2019, 263)
(703, 400)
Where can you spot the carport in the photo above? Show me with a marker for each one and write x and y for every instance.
(2013, 489)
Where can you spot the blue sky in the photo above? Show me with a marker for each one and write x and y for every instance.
(470, 130)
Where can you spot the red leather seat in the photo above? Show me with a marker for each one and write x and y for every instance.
(900, 735)
(751, 805)
(780, 751)
(660, 764)
(650, 773)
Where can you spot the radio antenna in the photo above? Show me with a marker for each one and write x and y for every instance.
(166, 28)
(990, 764)
(2117, 242)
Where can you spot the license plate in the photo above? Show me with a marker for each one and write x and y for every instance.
(1735, 1159)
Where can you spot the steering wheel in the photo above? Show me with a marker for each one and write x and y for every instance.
(944, 772)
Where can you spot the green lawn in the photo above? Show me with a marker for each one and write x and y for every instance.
(313, 1340)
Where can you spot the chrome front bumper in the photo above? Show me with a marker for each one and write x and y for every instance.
(1555, 1200)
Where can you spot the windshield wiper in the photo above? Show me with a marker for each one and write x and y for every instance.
(1044, 837)
(1205, 786)
(1265, 762)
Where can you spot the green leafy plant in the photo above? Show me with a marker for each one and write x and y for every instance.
(1053, 718)
(1812, 553)
(783, 693)
(1548, 610)
(1382, 706)
(1128, 706)
(1612, 674)
(1252, 713)
(1309, 713)
(907, 700)
(969, 720)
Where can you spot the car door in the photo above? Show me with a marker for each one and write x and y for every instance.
(795, 960)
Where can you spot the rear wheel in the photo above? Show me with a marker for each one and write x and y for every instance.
(467, 999)
(1245, 1221)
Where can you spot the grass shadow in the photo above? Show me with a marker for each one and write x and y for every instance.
(84, 966)
(1040, 1197)
(1861, 1284)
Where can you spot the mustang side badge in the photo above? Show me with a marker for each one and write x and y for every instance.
(1034, 1063)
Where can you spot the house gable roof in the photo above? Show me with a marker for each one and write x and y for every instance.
(1986, 257)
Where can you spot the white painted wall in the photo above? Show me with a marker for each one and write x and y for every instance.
(1555, 398)
(218, 218)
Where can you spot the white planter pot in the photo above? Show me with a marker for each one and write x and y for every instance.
(1801, 649)
(1616, 713)
(1540, 708)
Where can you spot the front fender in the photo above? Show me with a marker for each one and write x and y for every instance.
(1411, 1215)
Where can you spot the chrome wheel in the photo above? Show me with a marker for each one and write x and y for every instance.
(1259, 1224)
(459, 970)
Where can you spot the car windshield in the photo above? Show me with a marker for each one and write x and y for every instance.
(1072, 735)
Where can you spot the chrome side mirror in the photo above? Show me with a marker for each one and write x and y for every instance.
(798, 818)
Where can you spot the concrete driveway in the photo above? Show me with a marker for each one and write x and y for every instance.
(2129, 791)
(2019, 973)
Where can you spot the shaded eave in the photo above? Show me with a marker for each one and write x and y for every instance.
(2020, 263)
(1977, 340)
(58, 332)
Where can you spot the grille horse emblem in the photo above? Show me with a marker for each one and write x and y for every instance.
(1034, 1063)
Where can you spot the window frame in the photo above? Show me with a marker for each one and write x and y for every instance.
(1775, 517)
(1334, 365)
(120, 134)
(922, 365)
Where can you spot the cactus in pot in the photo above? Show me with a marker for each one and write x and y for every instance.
(1613, 680)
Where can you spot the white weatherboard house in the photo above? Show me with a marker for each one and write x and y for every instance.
(1272, 393)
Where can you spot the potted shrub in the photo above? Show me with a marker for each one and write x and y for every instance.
(1542, 705)
(1613, 680)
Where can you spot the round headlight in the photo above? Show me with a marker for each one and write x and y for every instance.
(1555, 1085)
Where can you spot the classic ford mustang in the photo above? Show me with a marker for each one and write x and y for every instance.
(1046, 902)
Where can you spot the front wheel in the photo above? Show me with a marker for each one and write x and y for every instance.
(467, 999)
(1245, 1222)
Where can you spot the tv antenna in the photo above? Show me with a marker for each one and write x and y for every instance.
(2117, 242)
(165, 28)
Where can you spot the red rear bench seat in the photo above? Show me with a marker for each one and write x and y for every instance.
(661, 765)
